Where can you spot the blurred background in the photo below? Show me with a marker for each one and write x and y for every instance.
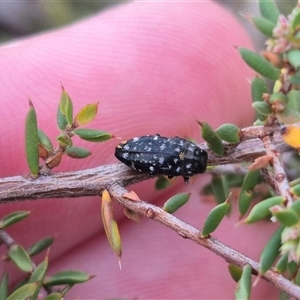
(22, 18)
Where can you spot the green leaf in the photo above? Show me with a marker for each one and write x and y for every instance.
(13, 218)
(24, 292)
(4, 286)
(213, 141)
(246, 193)
(295, 24)
(288, 116)
(38, 276)
(77, 152)
(66, 106)
(64, 140)
(294, 100)
(44, 140)
(294, 78)
(214, 218)
(31, 141)
(162, 182)
(20, 257)
(86, 115)
(259, 64)
(93, 135)
(293, 56)
(244, 201)
(262, 108)
(175, 202)
(296, 206)
(61, 120)
(263, 25)
(54, 296)
(281, 265)
(243, 289)
(67, 277)
(229, 133)
(219, 188)
(262, 209)
(110, 225)
(235, 272)
(40, 246)
(40, 271)
(269, 10)
(259, 87)
(285, 216)
(270, 252)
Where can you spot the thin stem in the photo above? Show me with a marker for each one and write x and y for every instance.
(189, 232)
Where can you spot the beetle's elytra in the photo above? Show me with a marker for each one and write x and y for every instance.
(159, 155)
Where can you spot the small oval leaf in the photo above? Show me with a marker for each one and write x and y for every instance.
(110, 224)
(24, 292)
(67, 277)
(270, 251)
(44, 140)
(54, 296)
(235, 272)
(219, 188)
(86, 115)
(259, 64)
(13, 218)
(4, 286)
(246, 194)
(243, 289)
(162, 182)
(263, 25)
(262, 209)
(269, 10)
(214, 218)
(281, 265)
(66, 106)
(93, 135)
(31, 141)
(285, 216)
(40, 246)
(175, 202)
(77, 152)
(229, 133)
(213, 141)
(20, 257)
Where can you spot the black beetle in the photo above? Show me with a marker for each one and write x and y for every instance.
(159, 155)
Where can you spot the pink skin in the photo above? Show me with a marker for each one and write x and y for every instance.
(155, 68)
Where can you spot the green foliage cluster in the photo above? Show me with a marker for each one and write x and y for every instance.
(276, 99)
(38, 144)
(35, 276)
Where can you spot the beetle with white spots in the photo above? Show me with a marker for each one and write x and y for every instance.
(159, 155)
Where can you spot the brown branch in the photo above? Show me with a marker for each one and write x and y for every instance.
(280, 177)
(189, 232)
(68, 184)
(89, 182)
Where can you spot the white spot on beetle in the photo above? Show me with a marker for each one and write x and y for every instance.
(151, 168)
(161, 160)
